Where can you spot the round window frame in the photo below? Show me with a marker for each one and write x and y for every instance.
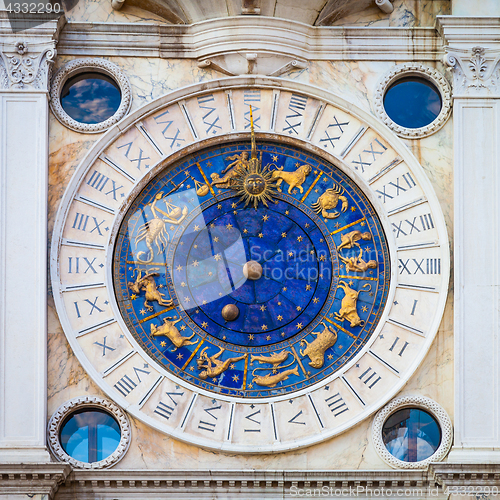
(420, 403)
(419, 71)
(77, 67)
(88, 403)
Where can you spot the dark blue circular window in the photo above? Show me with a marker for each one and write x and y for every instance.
(90, 97)
(412, 102)
(411, 435)
(90, 435)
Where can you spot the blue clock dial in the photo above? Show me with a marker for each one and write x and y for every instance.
(251, 271)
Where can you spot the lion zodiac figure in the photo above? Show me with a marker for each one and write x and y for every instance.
(329, 200)
(293, 179)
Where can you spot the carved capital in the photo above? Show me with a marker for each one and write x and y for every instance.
(476, 72)
(24, 67)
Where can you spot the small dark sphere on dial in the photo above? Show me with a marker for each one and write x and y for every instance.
(230, 312)
(255, 184)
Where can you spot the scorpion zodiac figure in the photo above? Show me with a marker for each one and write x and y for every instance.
(154, 231)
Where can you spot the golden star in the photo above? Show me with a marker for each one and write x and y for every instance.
(235, 378)
(191, 368)
(290, 254)
(204, 303)
(204, 324)
(179, 268)
(351, 283)
(143, 312)
(282, 334)
(279, 303)
(353, 209)
(180, 356)
(364, 309)
(233, 205)
(212, 226)
(231, 367)
(196, 228)
(275, 157)
(245, 231)
(363, 223)
(229, 226)
(183, 284)
(299, 326)
(182, 328)
(218, 257)
(261, 235)
(283, 235)
(262, 308)
(163, 343)
(330, 357)
(300, 238)
(287, 212)
(216, 239)
(315, 300)
(210, 273)
(280, 318)
(299, 308)
(268, 337)
(284, 289)
(307, 224)
(250, 386)
(322, 257)
(308, 287)
(133, 296)
(187, 300)
(219, 206)
(264, 327)
(235, 212)
(250, 337)
(265, 218)
(195, 263)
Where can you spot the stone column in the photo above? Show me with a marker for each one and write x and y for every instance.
(25, 61)
(473, 52)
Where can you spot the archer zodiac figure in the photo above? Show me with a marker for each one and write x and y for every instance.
(148, 284)
(357, 264)
(231, 172)
(348, 305)
(155, 231)
(316, 349)
(169, 330)
(211, 366)
(293, 179)
(329, 200)
(349, 240)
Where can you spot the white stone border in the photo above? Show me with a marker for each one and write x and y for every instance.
(88, 402)
(430, 74)
(423, 403)
(76, 67)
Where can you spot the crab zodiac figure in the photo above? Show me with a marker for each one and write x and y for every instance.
(231, 172)
(148, 284)
(329, 200)
(154, 231)
(211, 366)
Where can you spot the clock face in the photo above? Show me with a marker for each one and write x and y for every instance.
(223, 289)
(320, 282)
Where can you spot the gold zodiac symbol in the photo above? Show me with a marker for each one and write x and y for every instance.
(232, 171)
(154, 231)
(316, 349)
(212, 367)
(273, 380)
(172, 333)
(148, 284)
(349, 240)
(357, 264)
(329, 200)
(348, 305)
(275, 359)
(201, 189)
(293, 179)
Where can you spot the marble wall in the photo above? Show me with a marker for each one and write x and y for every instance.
(355, 81)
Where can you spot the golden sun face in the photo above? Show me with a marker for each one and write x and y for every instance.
(255, 185)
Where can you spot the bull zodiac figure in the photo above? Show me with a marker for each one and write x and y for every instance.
(169, 330)
(211, 366)
(148, 284)
(293, 179)
(155, 231)
(348, 305)
(316, 349)
(329, 200)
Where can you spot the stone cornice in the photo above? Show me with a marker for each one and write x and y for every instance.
(456, 475)
(465, 32)
(253, 34)
(32, 479)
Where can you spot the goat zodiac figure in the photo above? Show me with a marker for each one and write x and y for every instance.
(155, 231)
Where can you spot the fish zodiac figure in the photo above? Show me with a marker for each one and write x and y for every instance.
(348, 305)
(154, 231)
(275, 359)
(273, 380)
(316, 349)
(211, 366)
(169, 330)
(329, 200)
(148, 284)
(293, 179)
